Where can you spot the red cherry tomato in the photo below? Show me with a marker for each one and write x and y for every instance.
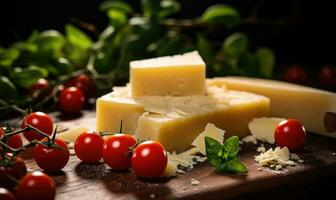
(116, 152)
(291, 134)
(41, 84)
(6, 194)
(84, 83)
(36, 185)
(149, 159)
(296, 74)
(15, 168)
(39, 120)
(52, 159)
(328, 77)
(89, 147)
(14, 141)
(71, 100)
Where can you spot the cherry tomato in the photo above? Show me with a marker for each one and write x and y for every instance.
(52, 159)
(296, 74)
(6, 194)
(39, 120)
(149, 159)
(36, 185)
(89, 147)
(40, 85)
(84, 83)
(71, 100)
(116, 152)
(328, 77)
(290, 133)
(15, 168)
(14, 141)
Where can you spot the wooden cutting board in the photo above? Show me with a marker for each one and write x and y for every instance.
(90, 182)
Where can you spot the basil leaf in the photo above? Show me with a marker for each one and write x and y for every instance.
(221, 14)
(169, 7)
(28, 76)
(8, 56)
(235, 44)
(204, 47)
(117, 18)
(77, 37)
(50, 41)
(7, 88)
(230, 147)
(213, 151)
(116, 5)
(232, 166)
(266, 60)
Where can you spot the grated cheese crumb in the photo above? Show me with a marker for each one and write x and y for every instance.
(152, 196)
(334, 154)
(261, 149)
(194, 182)
(249, 139)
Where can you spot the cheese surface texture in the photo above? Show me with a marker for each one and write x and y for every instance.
(315, 108)
(175, 121)
(263, 128)
(178, 75)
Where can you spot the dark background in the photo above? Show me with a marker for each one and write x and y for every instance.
(306, 35)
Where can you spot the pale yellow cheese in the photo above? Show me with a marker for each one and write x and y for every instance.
(170, 170)
(210, 131)
(177, 75)
(315, 108)
(177, 121)
(71, 134)
(263, 128)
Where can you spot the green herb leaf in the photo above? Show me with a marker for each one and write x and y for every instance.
(213, 151)
(116, 5)
(221, 14)
(8, 56)
(235, 44)
(150, 8)
(77, 37)
(231, 147)
(266, 60)
(117, 18)
(204, 47)
(28, 76)
(50, 41)
(169, 7)
(7, 88)
(232, 166)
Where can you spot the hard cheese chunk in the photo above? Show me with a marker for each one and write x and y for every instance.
(177, 75)
(177, 121)
(315, 108)
(263, 128)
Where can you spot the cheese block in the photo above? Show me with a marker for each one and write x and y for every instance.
(178, 75)
(177, 121)
(315, 108)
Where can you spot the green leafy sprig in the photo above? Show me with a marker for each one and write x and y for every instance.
(224, 157)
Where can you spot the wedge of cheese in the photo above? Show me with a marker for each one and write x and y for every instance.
(178, 75)
(176, 121)
(315, 108)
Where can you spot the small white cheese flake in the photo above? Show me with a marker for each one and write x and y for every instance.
(211, 131)
(277, 171)
(278, 167)
(186, 159)
(259, 169)
(194, 182)
(261, 149)
(184, 188)
(276, 158)
(152, 196)
(263, 128)
(294, 156)
(334, 154)
(249, 139)
(300, 161)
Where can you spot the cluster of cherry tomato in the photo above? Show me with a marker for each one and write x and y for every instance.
(72, 94)
(326, 76)
(291, 134)
(49, 153)
(121, 152)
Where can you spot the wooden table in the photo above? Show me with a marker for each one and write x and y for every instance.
(90, 182)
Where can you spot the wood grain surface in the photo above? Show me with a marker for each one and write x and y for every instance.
(79, 181)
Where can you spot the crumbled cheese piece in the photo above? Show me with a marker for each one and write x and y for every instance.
(261, 149)
(170, 170)
(152, 196)
(71, 134)
(259, 169)
(294, 156)
(263, 128)
(300, 161)
(184, 188)
(249, 139)
(277, 171)
(278, 167)
(211, 131)
(185, 159)
(194, 182)
(278, 156)
(334, 154)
